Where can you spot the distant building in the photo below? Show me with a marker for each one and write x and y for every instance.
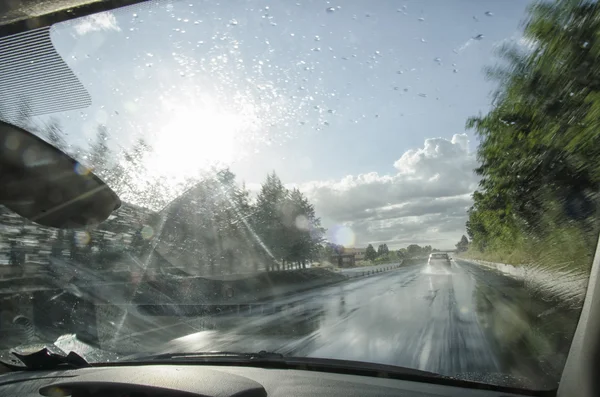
(359, 253)
(348, 257)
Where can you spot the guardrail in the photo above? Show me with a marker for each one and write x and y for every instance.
(250, 308)
(371, 272)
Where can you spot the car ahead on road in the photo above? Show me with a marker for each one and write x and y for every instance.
(439, 259)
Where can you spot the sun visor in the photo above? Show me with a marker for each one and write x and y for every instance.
(47, 186)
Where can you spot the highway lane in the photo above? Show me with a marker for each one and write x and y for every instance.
(460, 321)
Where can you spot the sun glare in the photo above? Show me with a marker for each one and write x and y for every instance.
(195, 139)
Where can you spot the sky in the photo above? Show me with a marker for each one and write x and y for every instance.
(362, 105)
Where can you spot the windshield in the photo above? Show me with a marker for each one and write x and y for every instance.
(287, 168)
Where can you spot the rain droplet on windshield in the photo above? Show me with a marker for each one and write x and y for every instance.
(421, 19)
(317, 38)
(233, 22)
(422, 95)
(455, 70)
(330, 9)
(437, 59)
(489, 13)
(478, 37)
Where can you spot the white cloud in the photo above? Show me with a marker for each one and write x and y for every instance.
(97, 22)
(424, 202)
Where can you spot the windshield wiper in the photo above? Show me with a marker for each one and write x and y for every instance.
(210, 356)
(46, 359)
(266, 359)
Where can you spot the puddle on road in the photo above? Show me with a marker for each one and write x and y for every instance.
(437, 270)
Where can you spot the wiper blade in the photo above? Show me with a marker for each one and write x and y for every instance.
(276, 360)
(270, 360)
(46, 359)
(208, 356)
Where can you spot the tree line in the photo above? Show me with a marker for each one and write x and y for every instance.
(383, 253)
(218, 225)
(539, 145)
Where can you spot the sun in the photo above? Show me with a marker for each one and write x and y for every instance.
(192, 139)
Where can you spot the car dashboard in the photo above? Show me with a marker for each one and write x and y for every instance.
(222, 381)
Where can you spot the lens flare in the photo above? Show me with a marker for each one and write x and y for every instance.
(147, 232)
(82, 238)
(12, 142)
(81, 169)
(342, 235)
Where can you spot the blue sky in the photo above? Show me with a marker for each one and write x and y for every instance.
(361, 104)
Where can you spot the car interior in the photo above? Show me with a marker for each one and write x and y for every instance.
(48, 374)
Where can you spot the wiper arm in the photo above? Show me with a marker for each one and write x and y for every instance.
(45, 359)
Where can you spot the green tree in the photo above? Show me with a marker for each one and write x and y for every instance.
(268, 221)
(288, 230)
(55, 136)
(99, 152)
(303, 231)
(540, 143)
(463, 244)
(413, 250)
(402, 253)
(370, 253)
(386, 250)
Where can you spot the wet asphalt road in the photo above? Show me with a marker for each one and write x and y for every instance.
(459, 321)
